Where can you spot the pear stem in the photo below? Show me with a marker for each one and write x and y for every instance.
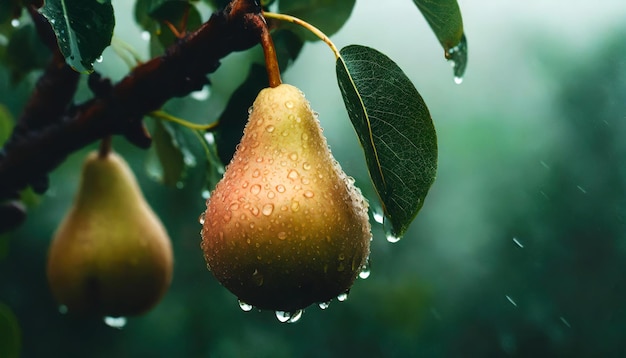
(105, 147)
(271, 61)
(317, 32)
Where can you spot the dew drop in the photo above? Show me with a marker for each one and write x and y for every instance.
(295, 205)
(305, 136)
(293, 156)
(245, 184)
(250, 109)
(280, 188)
(269, 128)
(289, 104)
(145, 35)
(201, 218)
(268, 209)
(99, 59)
(255, 189)
(244, 306)
(324, 305)
(233, 207)
(365, 270)
(308, 194)
(342, 297)
(15, 22)
(390, 234)
(270, 195)
(289, 317)
(63, 309)
(115, 322)
(282, 235)
(292, 174)
(306, 166)
(457, 55)
(257, 278)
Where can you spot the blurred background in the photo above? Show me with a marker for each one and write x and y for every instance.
(519, 250)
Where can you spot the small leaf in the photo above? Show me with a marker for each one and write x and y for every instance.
(151, 15)
(395, 129)
(444, 18)
(327, 15)
(173, 159)
(83, 28)
(10, 337)
(6, 124)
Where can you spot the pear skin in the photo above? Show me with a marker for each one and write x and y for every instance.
(285, 227)
(111, 256)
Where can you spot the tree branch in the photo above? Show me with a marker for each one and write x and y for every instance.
(49, 130)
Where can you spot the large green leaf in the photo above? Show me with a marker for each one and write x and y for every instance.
(395, 129)
(444, 18)
(327, 15)
(83, 28)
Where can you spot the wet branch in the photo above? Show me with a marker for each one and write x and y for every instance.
(50, 128)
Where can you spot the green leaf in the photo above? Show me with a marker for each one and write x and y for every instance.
(395, 129)
(10, 337)
(83, 28)
(173, 161)
(444, 18)
(25, 52)
(327, 15)
(152, 14)
(6, 124)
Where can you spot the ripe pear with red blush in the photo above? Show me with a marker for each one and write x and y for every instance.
(285, 227)
(111, 256)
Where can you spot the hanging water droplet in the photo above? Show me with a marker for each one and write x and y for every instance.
(201, 218)
(99, 59)
(115, 322)
(15, 22)
(206, 194)
(390, 234)
(324, 305)
(145, 35)
(365, 270)
(62, 309)
(244, 306)
(457, 55)
(342, 297)
(201, 95)
(289, 317)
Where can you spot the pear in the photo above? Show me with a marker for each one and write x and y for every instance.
(110, 256)
(285, 227)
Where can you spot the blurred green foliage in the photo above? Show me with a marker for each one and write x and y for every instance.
(519, 251)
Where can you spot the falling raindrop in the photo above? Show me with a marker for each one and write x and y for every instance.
(201, 95)
(511, 300)
(342, 297)
(324, 305)
(62, 309)
(365, 270)
(457, 55)
(390, 234)
(518, 243)
(289, 317)
(115, 322)
(244, 306)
